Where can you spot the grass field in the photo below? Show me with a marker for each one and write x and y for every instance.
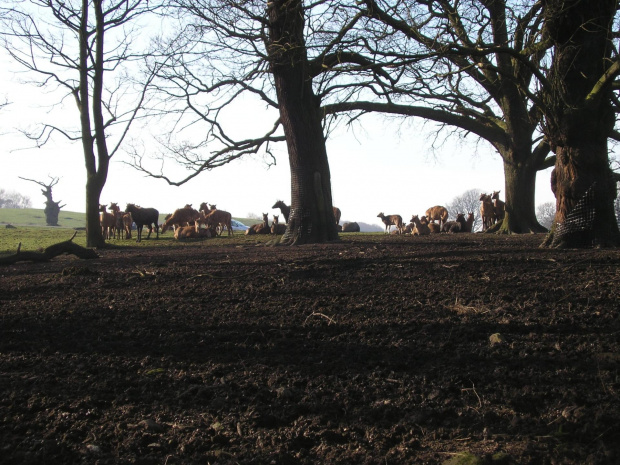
(31, 231)
(72, 220)
(36, 217)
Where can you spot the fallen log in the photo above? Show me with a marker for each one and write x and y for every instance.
(65, 247)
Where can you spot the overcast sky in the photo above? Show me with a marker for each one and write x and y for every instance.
(385, 166)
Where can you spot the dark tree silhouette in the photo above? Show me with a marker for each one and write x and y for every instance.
(311, 218)
(240, 52)
(579, 117)
(52, 208)
(471, 67)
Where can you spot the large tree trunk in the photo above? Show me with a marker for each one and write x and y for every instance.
(520, 190)
(96, 173)
(52, 209)
(94, 234)
(311, 219)
(578, 122)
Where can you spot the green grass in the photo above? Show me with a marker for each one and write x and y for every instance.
(33, 238)
(35, 217)
(33, 233)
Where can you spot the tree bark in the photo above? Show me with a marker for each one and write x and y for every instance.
(578, 122)
(96, 167)
(52, 209)
(520, 193)
(311, 219)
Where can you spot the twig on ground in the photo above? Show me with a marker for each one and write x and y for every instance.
(331, 320)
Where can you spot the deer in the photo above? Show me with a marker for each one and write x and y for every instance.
(276, 227)
(487, 211)
(181, 217)
(123, 222)
(260, 228)
(144, 216)
(284, 208)
(437, 213)
(499, 207)
(107, 221)
(419, 228)
(216, 219)
(390, 220)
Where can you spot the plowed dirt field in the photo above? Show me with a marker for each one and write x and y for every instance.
(375, 349)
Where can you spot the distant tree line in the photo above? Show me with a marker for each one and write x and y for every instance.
(12, 199)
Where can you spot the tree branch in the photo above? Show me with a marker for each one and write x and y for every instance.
(488, 130)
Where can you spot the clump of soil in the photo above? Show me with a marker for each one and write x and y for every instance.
(370, 350)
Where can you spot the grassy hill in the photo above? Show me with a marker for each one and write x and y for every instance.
(66, 219)
(36, 217)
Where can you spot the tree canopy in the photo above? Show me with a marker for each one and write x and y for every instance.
(469, 66)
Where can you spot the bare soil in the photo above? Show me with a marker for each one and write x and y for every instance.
(378, 350)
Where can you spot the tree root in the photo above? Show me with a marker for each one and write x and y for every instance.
(66, 247)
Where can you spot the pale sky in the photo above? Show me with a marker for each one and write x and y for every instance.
(385, 166)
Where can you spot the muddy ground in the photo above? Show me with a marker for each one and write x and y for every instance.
(378, 350)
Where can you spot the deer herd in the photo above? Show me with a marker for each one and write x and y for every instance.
(492, 210)
(187, 222)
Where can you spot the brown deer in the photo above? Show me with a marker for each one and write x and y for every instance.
(284, 208)
(185, 216)
(419, 228)
(260, 228)
(390, 220)
(487, 211)
(437, 213)
(107, 221)
(216, 219)
(276, 227)
(499, 207)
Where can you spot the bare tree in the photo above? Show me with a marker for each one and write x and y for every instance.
(467, 202)
(52, 208)
(545, 212)
(11, 199)
(70, 48)
(483, 66)
(579, 116)
(344, 70)
(469, 66)
(287, 55)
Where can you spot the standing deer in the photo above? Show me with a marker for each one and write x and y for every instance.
(487, 211)
(390, 220)
(437, 213)
(144, 216)
(499, 207)
(284, 208)
(107, 221)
